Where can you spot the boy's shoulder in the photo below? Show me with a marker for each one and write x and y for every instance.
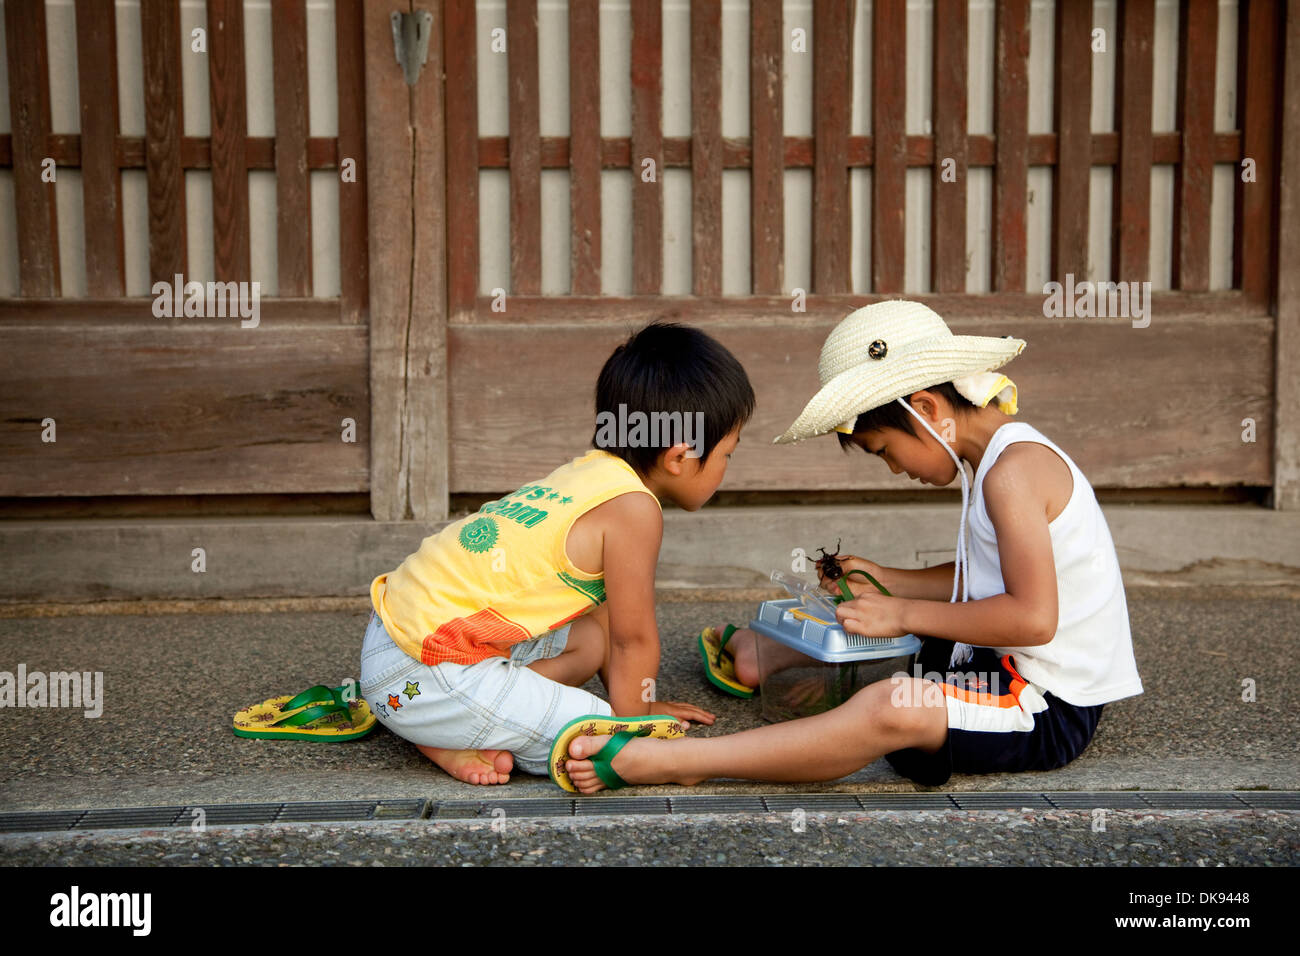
(1029, 471)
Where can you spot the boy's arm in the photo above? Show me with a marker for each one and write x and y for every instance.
(1026, 615)
(933, 583)
(631, 537)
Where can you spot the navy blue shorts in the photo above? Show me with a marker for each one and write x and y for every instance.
(997, 721)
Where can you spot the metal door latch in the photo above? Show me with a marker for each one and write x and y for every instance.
(411, 41)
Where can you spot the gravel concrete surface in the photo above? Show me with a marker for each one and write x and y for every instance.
(172, 681)
(920, 838)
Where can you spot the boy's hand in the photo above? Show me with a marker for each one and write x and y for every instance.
(686, 712)
(873, 615)
(849, 563)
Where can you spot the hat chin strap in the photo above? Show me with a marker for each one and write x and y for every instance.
(961, 653)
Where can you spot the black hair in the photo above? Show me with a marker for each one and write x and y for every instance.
(893, 415)
(667, 368)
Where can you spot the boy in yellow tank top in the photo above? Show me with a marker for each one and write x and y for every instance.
(481, 640)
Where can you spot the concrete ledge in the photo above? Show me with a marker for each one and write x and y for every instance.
(732, 549)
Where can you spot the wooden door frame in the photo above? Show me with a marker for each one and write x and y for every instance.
(406, 189)
(1286, 419)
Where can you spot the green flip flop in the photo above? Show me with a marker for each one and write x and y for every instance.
(719, 665)
(621, 730)
(603, 762)
(319, 713)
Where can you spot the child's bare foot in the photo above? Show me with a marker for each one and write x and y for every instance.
(745, 655)
(643, 760)
(473, 766)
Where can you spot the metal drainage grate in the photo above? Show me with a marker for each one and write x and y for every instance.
(26, 821)
(1082, 800)
(1195, 801)
(822, 802)
(143, 818)
(717, 804)
(1002, 801)
(607, 806)
(906, 801)
(479, 810)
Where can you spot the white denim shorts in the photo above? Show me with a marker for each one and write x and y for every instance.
(496, 704)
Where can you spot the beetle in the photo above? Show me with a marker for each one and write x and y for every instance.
(828, 566)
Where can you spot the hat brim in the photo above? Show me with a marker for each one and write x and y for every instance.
(867, 386)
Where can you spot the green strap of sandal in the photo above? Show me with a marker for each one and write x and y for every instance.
(603, 761)
(320, 694)
(846, 594)
(328, 700)
(719, 668)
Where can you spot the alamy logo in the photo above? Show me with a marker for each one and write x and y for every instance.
(1129, 300)
(102, 909)
(216, 300)
(650, 430)
(56, 689)
(925, 689)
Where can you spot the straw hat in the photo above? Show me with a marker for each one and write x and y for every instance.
(886, 351)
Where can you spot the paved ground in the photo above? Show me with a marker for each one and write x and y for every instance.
(171, 683)
(916, 838)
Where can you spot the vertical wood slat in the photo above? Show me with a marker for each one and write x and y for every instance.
(525, 149)
(889, 144)
(354, 257)
(584, 145)
(1011, 125)
(706, 146)
(29, 109)
(1131, 216)
(767, 136)
(647, 143)
(292, 183)
(948, 199)
(1194, 175)
(390, 203)
(832, 45)
(1073, 169)
(228, 98)
(1260, 67)
(426, 433)
(1286, 414)
(460, 65)
(101, 181)
(160, 46)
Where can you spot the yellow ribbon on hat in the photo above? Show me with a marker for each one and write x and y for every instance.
(980, 389)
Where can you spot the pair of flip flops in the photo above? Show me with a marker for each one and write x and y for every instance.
(621, 730)
(319, 713)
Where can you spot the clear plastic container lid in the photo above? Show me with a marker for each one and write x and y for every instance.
(806, 622)
(809, 595)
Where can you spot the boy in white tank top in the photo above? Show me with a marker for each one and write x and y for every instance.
(1040, 639)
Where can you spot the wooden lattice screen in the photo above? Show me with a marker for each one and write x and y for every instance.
(149, 406)
(1076, 372)
(189, 406)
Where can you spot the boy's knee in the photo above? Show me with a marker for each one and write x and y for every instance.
(904, 703)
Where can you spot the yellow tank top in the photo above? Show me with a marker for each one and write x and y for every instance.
(501, 576)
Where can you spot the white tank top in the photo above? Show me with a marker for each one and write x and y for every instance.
(1090, 660)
